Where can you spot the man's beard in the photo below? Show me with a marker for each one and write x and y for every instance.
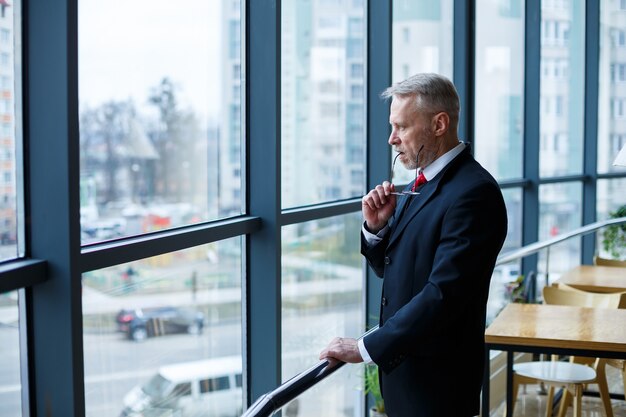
(409, 161)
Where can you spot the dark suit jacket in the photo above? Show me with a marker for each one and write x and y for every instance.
(436, 261)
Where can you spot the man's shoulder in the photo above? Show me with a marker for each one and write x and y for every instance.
(468, 170)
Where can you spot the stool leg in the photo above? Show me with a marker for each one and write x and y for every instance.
(549, 401)
(578, 400)
(624, 376)
(566, 398)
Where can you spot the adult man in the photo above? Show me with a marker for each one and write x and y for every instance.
(436, 252)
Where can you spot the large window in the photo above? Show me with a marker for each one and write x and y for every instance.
(11, 207)
(562, 87)
(10, 383)
(421, 42)
(610, 199)
(560, 210)
(422, 38)
(499, 100)
(10, 174)
(174, 319)
(322, 101)
(612, 85)
(505, 274)
(161, 110)
(322, 297)
(155, 245)
(160, 115)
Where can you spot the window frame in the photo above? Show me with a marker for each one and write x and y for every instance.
(51, 258)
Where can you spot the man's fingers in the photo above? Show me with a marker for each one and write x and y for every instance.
(332, 348)
(379, 196)
(342, 350)
(332, 362)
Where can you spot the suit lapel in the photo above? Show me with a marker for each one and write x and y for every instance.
(416, 204)
(427, 191)
(400, 206)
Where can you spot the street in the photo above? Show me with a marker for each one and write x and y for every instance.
(114, 365)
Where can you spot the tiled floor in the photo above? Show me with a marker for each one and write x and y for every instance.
(531, 404)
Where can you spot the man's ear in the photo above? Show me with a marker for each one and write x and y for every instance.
(440, 123)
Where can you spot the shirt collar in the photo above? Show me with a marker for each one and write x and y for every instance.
(440, 163)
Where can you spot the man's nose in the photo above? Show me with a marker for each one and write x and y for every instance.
(393, 138)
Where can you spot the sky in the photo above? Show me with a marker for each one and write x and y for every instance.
(127, 46)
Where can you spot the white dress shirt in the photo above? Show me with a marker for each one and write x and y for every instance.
(372, 239)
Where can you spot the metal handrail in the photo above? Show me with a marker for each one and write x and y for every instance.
(536, 247)
(273, 401)
(269, 403)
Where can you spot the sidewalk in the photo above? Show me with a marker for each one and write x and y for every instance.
(96, 302)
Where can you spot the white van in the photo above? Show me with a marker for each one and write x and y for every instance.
(207, 388)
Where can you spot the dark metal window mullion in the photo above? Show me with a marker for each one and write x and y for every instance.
(532, 80)
(379, 47)
(262, 360)
(54, 309)
(464, 64)
(590, 145)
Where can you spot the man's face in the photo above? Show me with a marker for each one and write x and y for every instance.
(410, 130)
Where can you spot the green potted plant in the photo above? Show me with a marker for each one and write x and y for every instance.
(614, 238)
(372, 387)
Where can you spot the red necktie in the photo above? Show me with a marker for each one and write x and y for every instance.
(419, 181)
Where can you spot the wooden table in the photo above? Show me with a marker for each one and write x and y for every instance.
(553, 329)
(595, 278)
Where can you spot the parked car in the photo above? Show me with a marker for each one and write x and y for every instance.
(205, 388)
(139, 324)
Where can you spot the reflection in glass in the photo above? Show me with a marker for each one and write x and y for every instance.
(610, 198)
(421, 42)
(560, 211)
(322, 297)
(8, 169)
(322, 101)
(160, 115)
(562, 87)
(612, 85)
(161, 332)
(10, 383)
(499, 105)
(504, 275)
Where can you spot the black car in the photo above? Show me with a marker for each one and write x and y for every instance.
(139, 324)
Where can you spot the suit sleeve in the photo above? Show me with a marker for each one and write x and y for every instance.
(375, 254)
(472, 233)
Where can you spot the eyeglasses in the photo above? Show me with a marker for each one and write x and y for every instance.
(393, 165)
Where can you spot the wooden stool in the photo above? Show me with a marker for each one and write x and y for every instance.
(571, 375)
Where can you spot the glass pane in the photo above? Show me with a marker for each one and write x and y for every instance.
(612, 84)
(610, 199)
(322, 297)
(8, 139)
(160, 115)
(562, 87)
(322, 101)
(560, 211)
(154, 326)
(10, 383)
(504, 275)
(421, 42)
(499, 105)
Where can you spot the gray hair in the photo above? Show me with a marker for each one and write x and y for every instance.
(433, 93)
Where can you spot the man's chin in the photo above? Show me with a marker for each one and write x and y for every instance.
(406, 162)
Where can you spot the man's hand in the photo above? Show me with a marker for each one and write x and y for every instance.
(378, 206)
(341, 349)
